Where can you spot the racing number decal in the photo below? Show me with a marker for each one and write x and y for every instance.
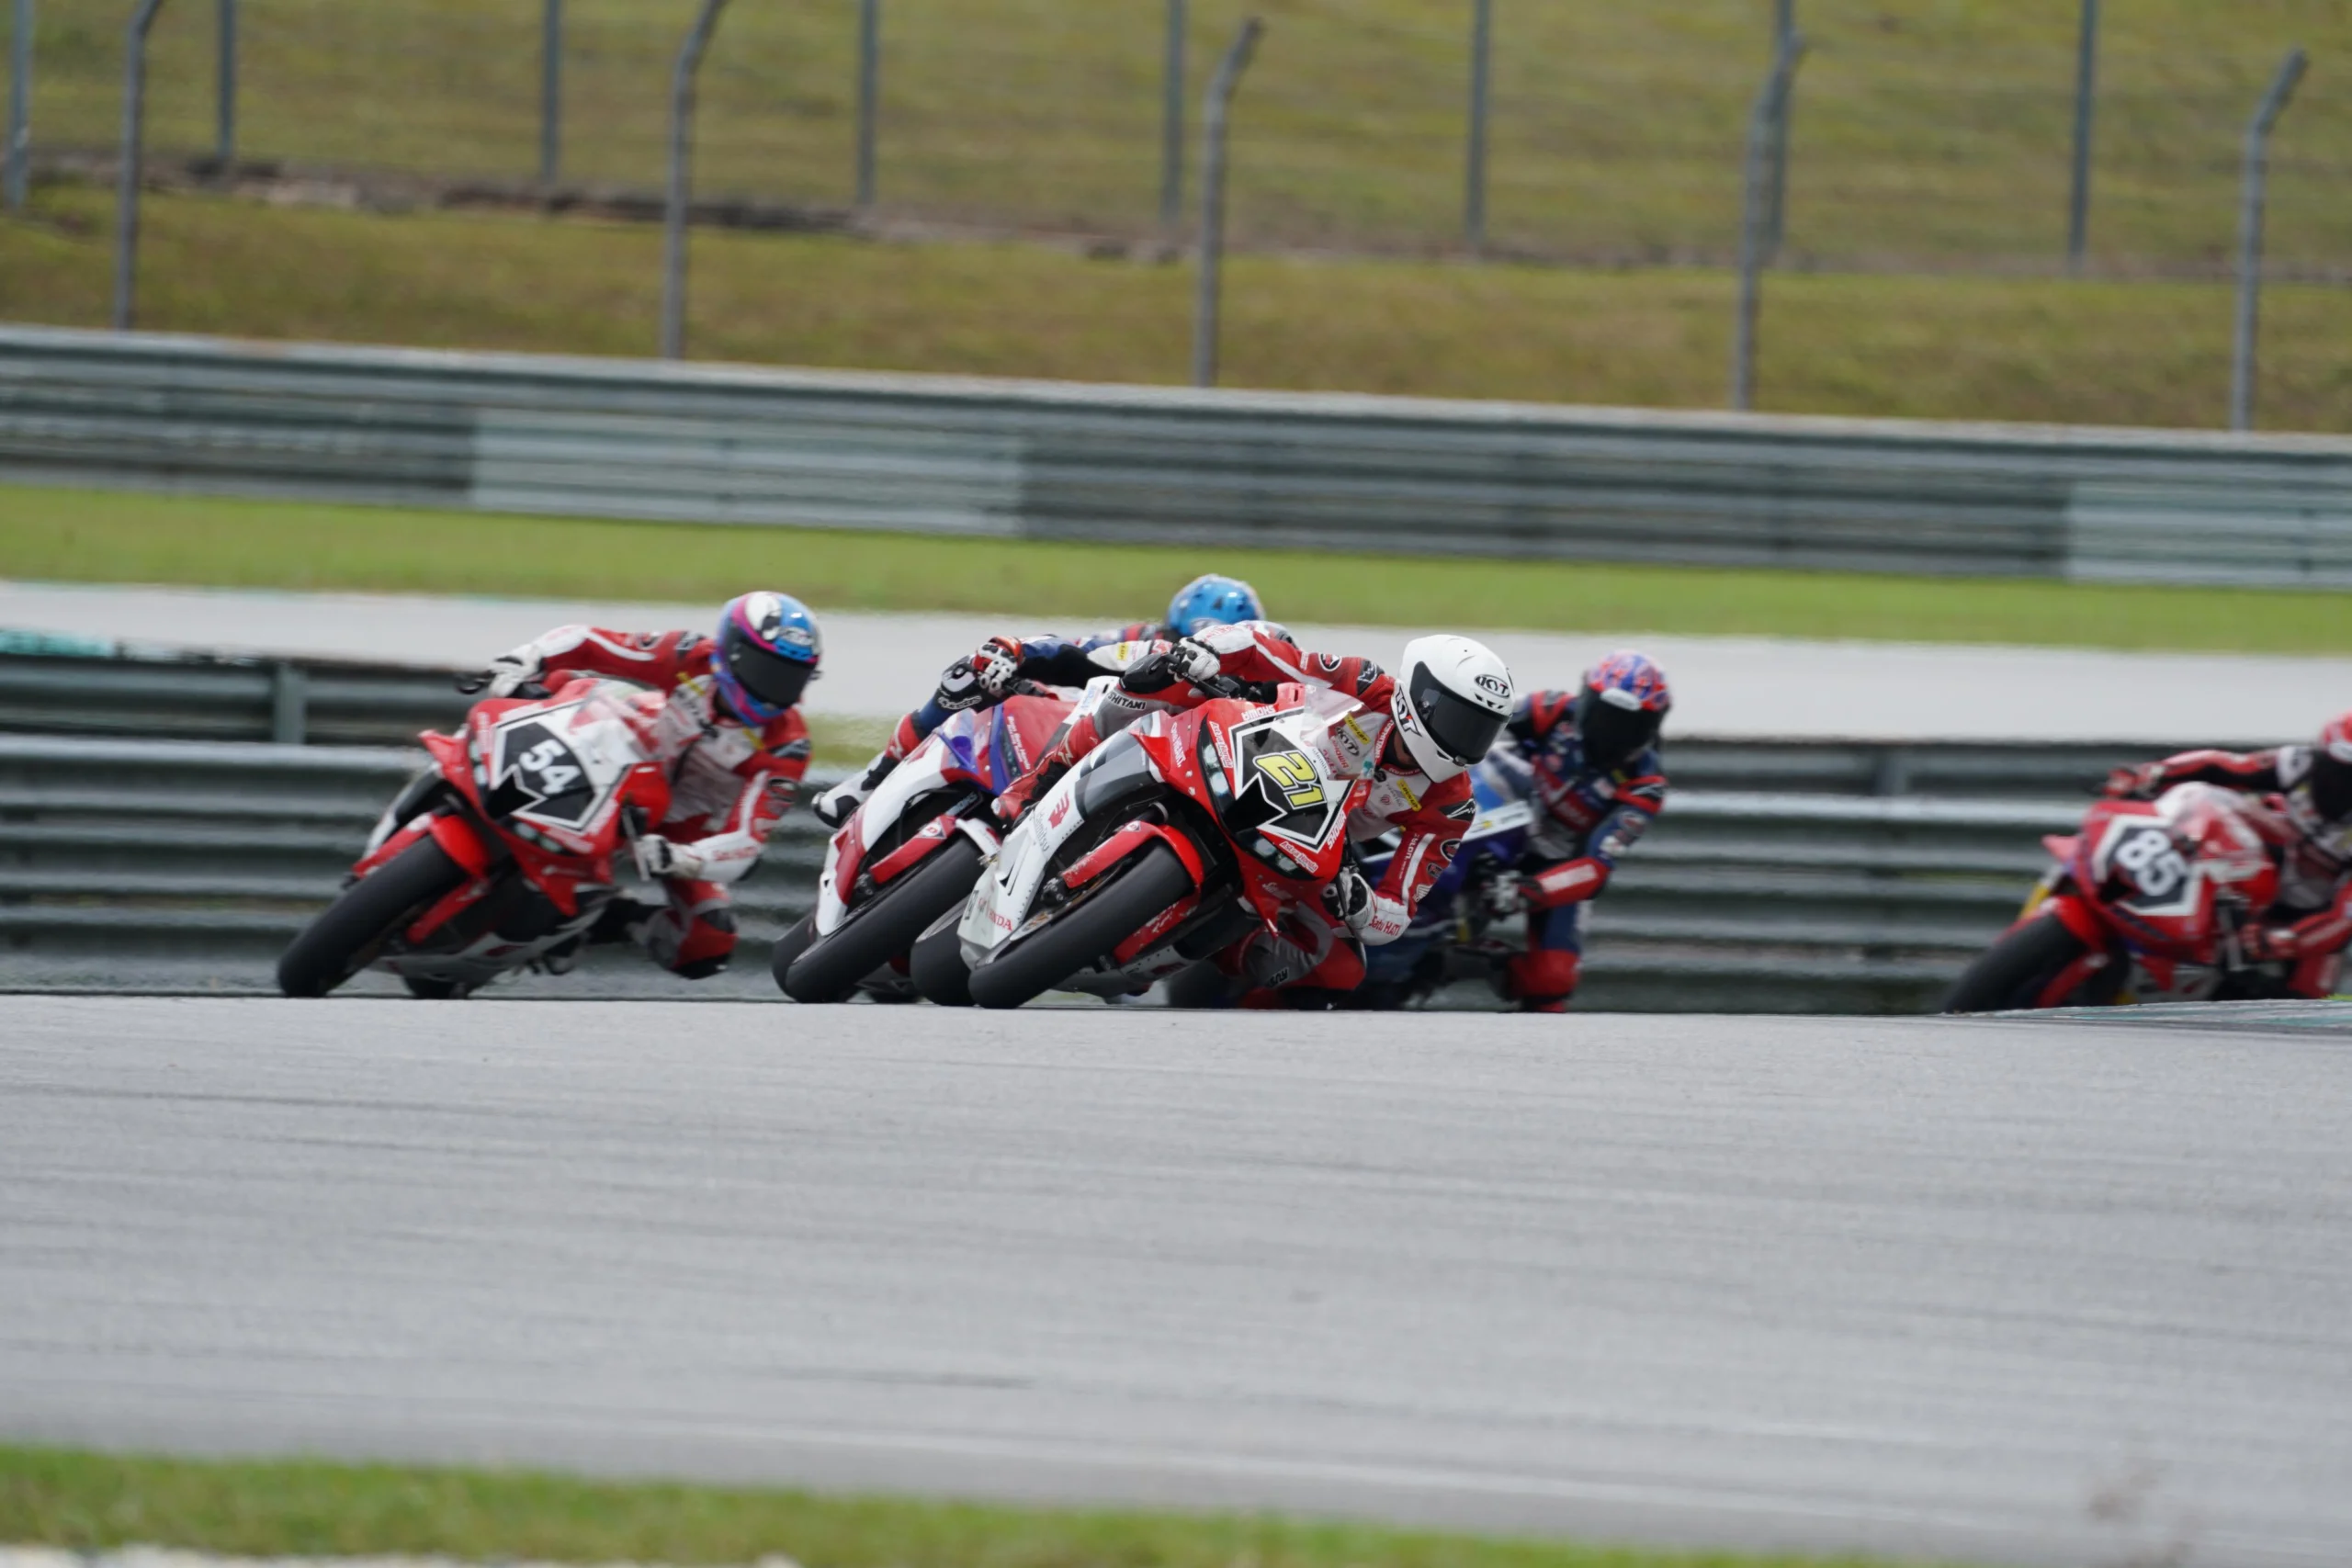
(2151, 862)
(1293, 776)
(548, 768)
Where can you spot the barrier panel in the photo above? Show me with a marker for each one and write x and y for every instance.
(508, 433)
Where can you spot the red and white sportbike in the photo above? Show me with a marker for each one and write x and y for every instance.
(911, 853)
(2144, 904)
(1174, 839)
(500, 854)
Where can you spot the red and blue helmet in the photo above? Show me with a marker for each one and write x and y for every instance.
(1213, 601)
(1624, 701)
(764, 654)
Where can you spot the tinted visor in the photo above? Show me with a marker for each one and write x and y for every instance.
(767, 675)
(1462, 730)
(1612, 736)
(2332, 787)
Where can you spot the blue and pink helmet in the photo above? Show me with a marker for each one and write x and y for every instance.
(1624, 702)
(764, 655)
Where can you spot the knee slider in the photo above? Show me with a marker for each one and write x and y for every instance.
(1546, 974)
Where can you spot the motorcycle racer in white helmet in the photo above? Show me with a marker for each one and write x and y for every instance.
(1413, 736)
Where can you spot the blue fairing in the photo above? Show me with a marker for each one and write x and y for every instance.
(1502, 785)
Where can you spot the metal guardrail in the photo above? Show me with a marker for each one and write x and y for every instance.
(121, 853)
(512, 433)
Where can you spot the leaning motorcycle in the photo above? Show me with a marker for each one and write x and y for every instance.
(911, 851)
(1176, 838)
(2145, 904)
(1452, 936)
(500, 854)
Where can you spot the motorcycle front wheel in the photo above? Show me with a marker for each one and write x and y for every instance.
(2025, 963)
(884, 925)
(347, 934)
(1088, 930)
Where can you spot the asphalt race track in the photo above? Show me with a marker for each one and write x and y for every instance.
(1987, 1290)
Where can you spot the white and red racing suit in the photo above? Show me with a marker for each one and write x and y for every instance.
(730, 782)
(1430, 817)
(2309, 925)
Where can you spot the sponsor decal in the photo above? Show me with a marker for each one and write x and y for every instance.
(1463, 811)
(1060, 813)
(1494, 686)
(1330, 661)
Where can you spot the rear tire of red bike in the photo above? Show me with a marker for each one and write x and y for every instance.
(1089, 931)
(935, 962)
(347, 934)
(885, 926)
(2017, 969)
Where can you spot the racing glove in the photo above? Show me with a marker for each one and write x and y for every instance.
(2142, 781)
(658, 858)
(1184, 660)
(509, 673)
(996, 665)
(1349, 897)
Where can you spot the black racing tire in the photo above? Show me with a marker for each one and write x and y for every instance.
(432, 990)
(346, 936)
(2014, 971)
(935, 962)
(791, 946)
(1089, 929)
(885, 925)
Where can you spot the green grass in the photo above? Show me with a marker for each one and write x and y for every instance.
(79, 535)
(86, 1501)
(2151, 353)
(1934, 129)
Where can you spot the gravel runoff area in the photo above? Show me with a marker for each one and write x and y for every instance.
(1991, 1289)
(1724, 687)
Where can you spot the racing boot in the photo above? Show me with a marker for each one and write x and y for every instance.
(833, 808)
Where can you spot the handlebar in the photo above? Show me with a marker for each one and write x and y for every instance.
(476, 680)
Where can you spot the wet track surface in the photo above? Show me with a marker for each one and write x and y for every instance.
(1984, 1290)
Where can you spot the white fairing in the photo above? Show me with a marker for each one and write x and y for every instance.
(925, 770)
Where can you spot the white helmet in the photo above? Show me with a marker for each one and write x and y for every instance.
(1452, 696)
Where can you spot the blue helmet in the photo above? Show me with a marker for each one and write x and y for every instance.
(767, 652)
(1213, 601)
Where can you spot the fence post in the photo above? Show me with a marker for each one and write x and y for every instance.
(290, 703)
(673, 235)
(1771, 107)
(1213, 126)
(2256, 177)
(224, 139)
(1172, 121)
(1785, 26)
(1473, 192)
(134, 112)
(552, 94)
(869, 94)
(2078, 207)
(20, 106)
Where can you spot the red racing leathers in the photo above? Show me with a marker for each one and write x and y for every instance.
(2310, 923)
(1431, 817)
(730, 782)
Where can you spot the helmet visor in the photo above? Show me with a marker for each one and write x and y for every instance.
(1612, 736)
(1461, 728)
(2332, 787)
(766, 675)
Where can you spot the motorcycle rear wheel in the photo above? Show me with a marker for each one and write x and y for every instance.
(2017, 968)
(345, 937)
(829, 969)
(1091, 930)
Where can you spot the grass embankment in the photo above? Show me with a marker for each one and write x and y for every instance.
(272, 1508)
(1924, 129)
(94, 536)
(2108, 353)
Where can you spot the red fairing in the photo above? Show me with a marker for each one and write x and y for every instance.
(2154, 872)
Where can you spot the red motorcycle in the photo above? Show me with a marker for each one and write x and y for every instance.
(1170, 841)
(2145, 904)
(500, 854)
